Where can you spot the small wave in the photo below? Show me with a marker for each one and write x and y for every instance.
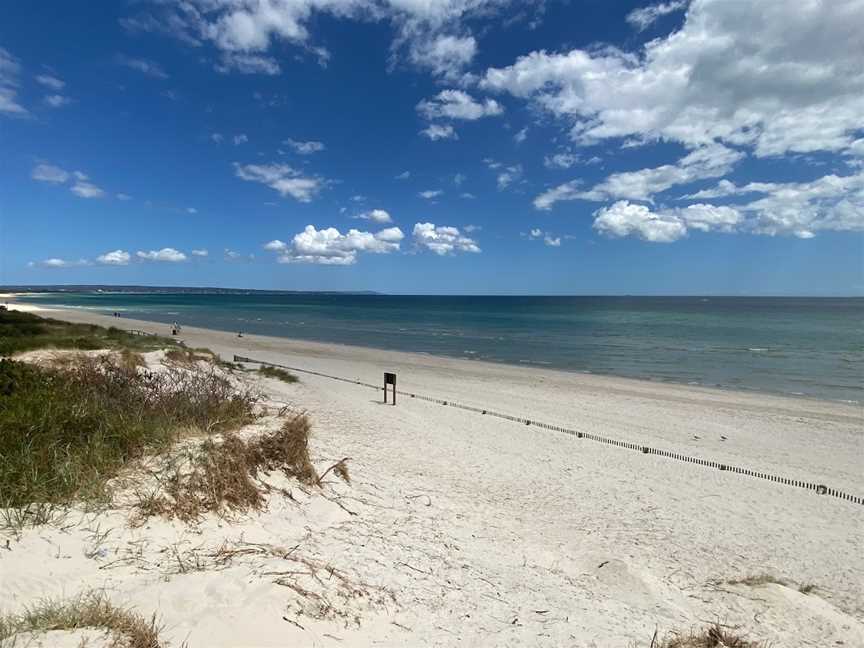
(757, 349)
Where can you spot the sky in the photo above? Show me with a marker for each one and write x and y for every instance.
(435, 146)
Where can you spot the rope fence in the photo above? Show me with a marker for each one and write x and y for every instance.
(820, 489)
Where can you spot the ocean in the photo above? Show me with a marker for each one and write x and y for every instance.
(801, 346)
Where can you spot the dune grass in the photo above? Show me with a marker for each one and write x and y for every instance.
(26, 332)
(65, 431)
(714, 636)
(278, 374)
(224, 476)
(88, 611)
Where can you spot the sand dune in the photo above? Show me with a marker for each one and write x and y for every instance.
(460, 529)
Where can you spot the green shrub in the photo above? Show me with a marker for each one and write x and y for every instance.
(278, 374)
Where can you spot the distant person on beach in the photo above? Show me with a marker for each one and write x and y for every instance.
(239, 333)
(175, 328)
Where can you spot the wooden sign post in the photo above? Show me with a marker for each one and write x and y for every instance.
(389, 379)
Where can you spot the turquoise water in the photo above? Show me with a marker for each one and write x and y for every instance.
(804, 346)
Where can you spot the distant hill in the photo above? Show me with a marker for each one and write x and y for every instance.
(143, 290)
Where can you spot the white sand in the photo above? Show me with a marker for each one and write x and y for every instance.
(470, 530)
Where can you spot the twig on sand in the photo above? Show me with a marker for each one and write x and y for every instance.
(341, 469)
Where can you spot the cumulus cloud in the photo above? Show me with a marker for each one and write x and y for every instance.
(509, 175)
(329, 246)
(81, 185)
(629, 219)
(380, 216)
(458, 104)
(443, 54)
(644, 17)
(116, 258)
(438, 132)
(83, 188)
(216, 138)
(167, 254)
(144, 66)
(404, 175)
(283, 178)
(751, 74)
(305, 148)
(240, 139)
(710, 161)
(200, 253)
(442, 239)
(10, 69)
(430, 194)
(560, 160)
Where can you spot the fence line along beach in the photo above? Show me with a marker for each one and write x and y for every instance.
(465, 528)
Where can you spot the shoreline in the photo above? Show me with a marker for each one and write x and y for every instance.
(84, 316)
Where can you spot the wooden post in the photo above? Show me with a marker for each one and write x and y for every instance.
(389, 379)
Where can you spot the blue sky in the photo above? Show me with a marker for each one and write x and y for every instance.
(423, 146)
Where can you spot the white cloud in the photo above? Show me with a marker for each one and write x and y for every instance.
(240, 139)
(521, 136)
(430, 194)
(798, 208)
(200, 253)
(50, 81)
(560, 160)
(62, 263)
(444, 54)
(751, 74)
(458, 104)
(248, 64)
(57, 101)
(49, 173)
(283, 178)
(379, 216)
(191, 210)
(644, 17)
(438, 131)
(509, 175)
(232, 256)
(626, 219)
(331, 247)
(276, 246)
(711, 161)
(9, 72)
(547, 237)
(442, 239)
(216, 137)
(167, 254)
(117, 258)
(403, 176)
(472, 228)
(123, 196)
(149, 68)
(467, 195)
(83, 188)
(305, 148)
(459, 178)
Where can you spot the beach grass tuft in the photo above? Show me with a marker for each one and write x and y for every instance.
(25, 332)
(66, 431)
(88, 611)
(224, 476)
(278, 374)
(715, 636)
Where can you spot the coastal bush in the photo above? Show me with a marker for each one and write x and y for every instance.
(278, 374)
(26, 332)
(65, 431)
(92, 610)
(225, 476)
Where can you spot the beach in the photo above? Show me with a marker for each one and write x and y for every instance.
(465, 529)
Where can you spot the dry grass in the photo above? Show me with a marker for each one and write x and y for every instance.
(711, 637)
(758, 580)
(226, 477)
(126, 628)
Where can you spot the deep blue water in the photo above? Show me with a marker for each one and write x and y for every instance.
(805, 346)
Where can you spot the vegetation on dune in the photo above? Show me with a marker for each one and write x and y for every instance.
(715, 636)
(65, 431)
(279, 374)
(88, 611)
(224, 476)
